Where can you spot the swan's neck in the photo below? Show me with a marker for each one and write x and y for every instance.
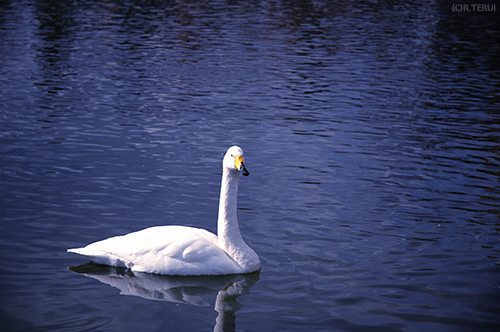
(228, 230)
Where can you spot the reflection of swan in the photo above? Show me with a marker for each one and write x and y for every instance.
(178, 289)
(180, 250)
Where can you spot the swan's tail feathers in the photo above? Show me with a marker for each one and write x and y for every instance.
(100, 257)
(79, 251)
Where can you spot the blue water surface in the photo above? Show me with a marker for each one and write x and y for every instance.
(370, 129)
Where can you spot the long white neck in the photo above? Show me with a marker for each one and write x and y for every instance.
(228, 230)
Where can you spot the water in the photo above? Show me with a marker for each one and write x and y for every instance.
(370, 129)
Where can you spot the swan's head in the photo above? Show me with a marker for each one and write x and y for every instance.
(233, 160)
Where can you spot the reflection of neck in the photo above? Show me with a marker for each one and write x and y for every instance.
(228, 230)
(226, 305)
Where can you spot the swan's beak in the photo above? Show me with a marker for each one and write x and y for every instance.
(239, 163)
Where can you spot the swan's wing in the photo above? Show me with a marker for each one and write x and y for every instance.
(174, 250)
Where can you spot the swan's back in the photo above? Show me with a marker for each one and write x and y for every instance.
(173, 250)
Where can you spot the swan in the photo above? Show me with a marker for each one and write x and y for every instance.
(183, 250)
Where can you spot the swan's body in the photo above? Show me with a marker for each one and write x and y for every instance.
(181, 250)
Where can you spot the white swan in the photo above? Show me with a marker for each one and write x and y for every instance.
(181, 250)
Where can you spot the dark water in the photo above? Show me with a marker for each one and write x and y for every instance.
(371, 131)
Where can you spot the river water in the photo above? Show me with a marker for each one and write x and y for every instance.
(370, 129)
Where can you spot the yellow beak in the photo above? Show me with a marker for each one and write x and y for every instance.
(239, 163)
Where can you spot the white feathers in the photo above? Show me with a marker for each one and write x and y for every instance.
(180, 250)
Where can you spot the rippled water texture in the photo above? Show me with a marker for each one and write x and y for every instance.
(370, 129)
